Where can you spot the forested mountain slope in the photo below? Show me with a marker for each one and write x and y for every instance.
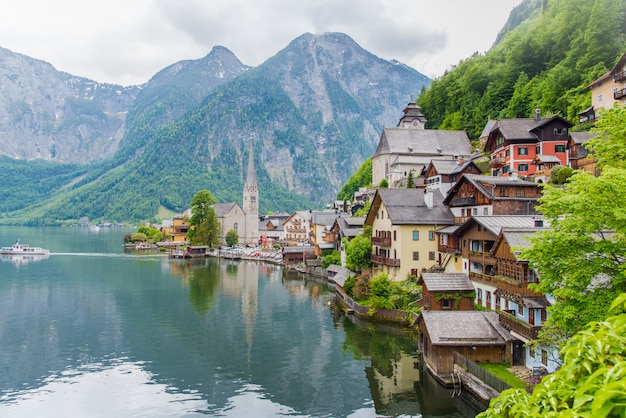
(544, 63)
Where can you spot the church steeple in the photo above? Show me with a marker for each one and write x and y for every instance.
(251, 203)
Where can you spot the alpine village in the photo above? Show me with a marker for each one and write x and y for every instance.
(495, 233)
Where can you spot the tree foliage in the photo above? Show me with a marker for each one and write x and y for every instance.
(362, 178)
(590, 383)
(204, 226)
(232, 238)
(543, 62)
(358, 253)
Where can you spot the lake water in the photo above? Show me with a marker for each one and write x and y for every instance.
(91, 331)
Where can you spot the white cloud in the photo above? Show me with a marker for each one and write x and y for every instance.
(126, 42)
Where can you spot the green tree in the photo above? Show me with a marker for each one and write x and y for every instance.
(358, 253)
(383, 184)
(332, 258)
(204, 226)
(232, 237)
(410, 181)
(590, 383)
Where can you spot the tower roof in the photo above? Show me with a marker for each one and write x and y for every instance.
(251, 175)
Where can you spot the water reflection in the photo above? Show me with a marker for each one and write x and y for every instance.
(21, 259)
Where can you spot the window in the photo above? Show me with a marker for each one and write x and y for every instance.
(522, 150)
(394, 235)
(443, 239)
(599, 98)
(479, 296)
(522, 167)
(519, 192)
(507, 153)
(537, 149)
(488, 299)
(531, 352)
(520, 310)
(505, 169)
(431, 235)
(485, 211)
(446, 303)
(544, 357)
(416, 235)
(475, 211)
(236, 227)
(431, 255)
(416, 255)
(559, 148)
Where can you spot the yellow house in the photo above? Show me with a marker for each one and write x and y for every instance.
(607, 90)
(403, 224)
(176, 230)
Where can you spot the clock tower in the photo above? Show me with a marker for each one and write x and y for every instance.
(251, 204)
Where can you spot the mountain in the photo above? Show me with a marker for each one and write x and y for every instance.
(51, 115)
(314, 113)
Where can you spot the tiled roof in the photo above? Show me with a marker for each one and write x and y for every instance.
(495, 223)
(423, 141)
(464, 328)
(407, 207)
(446, 282)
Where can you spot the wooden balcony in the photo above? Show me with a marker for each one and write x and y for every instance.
(504, 283)
(497, 162)
(619, 76)
(618, 94)
(464, 201)
(381, 241)
(482, 257)
(393, 262)
(518, 326)
(449, 249)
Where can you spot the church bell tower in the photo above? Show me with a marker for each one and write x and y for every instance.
(251, 203)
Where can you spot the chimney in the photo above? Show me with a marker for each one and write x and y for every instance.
(460, 161)
(537, 115)
(428, 197)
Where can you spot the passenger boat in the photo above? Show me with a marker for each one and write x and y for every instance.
(23, 249)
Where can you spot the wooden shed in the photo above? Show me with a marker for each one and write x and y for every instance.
(447, 291)
(477, 335)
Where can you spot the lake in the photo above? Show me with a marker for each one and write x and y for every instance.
(92, 331)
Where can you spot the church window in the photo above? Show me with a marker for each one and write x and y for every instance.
(236, 227)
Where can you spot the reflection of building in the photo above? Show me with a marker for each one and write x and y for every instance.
(405, 372)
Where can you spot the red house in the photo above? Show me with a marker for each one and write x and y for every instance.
(514, 143)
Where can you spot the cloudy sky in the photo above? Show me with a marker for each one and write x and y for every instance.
(127, 41)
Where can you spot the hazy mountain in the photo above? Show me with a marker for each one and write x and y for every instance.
(314, 112)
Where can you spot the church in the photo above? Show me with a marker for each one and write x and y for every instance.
(243, 220)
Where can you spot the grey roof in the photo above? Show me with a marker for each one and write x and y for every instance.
(465, 328)
(519, 237)
(580, 137)
(446, 282)
(326, 218)
(298, 249)
(223, 208)
(407, 207)
(448, 230)
(167, 223)
(488, 127)
(339, 274)
(449, 166)
(495, 223)
(535, 302)
(518, 128)
(547, 159)
(423, 141)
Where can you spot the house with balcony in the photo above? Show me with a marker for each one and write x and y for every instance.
(522, 311)
(297, 228)
(442, 174)
(543, 167)
(322, 234)
(411, 147)
(475, 195)
(514, 143)
(580, 158)
(176, 230)
(606, 90)
(403, 224)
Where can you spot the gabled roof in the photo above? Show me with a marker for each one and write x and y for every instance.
(222, 209)
(450, 166)
(521, 129)
(407, 207)
(515, 237)
(486, 184)
(454, 328)
(423, 142)
(339, 274)
(546, 159)
(326, 218)
(580, 137)
(446, 282)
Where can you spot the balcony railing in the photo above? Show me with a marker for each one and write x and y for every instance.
(381, 241)
(519, 326)
(393, 262)
(619, 76)
(497, 162)
(464, 201)
(504, 283)
(618, 94)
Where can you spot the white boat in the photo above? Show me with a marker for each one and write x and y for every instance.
(23, 249)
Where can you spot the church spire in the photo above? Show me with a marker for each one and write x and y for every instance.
(251, 175)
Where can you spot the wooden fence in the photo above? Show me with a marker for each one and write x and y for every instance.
(482, 374)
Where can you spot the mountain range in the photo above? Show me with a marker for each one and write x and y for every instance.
(72, 147)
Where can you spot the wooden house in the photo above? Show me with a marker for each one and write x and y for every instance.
(486, 195)
(580, 158)
(442, 174)
(477, 335)
(297, 254)
(514, 143)
(447, 291)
